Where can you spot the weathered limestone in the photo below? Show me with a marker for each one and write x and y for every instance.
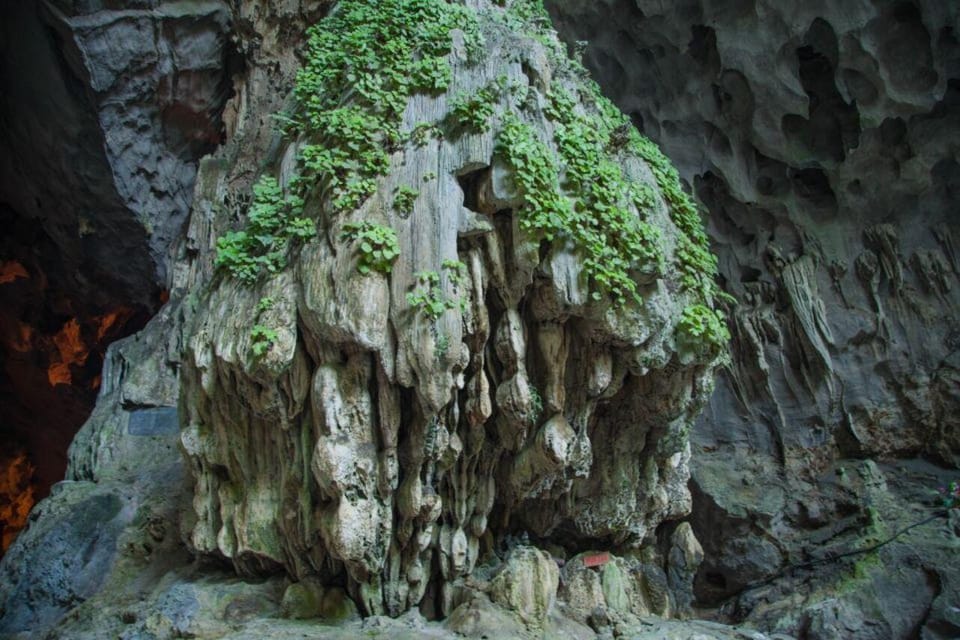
(373, 441)
(527, 584)
(823, 138)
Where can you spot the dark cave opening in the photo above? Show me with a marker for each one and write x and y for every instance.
(832, 128)
(91, 198)
(59, 305)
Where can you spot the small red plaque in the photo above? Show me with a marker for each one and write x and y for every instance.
(596, 560)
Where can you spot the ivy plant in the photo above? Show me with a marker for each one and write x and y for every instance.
(702, 330)
(376, 243)
(474, 112)
(536, 405)
(429, 298)
(424, 132)
(261, 339)
(403, 201)
(601, 224)
(273, 221)
(376, 54)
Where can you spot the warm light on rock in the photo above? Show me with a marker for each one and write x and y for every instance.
(72, 351)
(12, 270)
(16, 496)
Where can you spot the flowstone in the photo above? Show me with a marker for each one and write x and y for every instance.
(395, 427)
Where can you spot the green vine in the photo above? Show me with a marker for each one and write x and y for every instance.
(261, 339)
(265, 304)
(423, 133)
(536, 405)
(702, 331)
(377, 245)
(601, 224)
(403, 201)
(429, 298)
(474, 112)
(363, 62)
(273, 221)
(376, 54)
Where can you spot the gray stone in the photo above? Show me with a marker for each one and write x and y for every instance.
(62, 558)
(303, 600)
(527, 585)
(153, 422)
(821, 140)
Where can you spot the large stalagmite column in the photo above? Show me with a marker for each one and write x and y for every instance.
(467, 300)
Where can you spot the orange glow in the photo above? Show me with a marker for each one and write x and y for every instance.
(95, 383)
(23, 342)
(59, 373)
(107, 320)
(11, 270)
(72, 351)
(16, 497)
(69, 344)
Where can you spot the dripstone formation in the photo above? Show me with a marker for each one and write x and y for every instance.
(439, 325)
(393, 421)
(442, 321)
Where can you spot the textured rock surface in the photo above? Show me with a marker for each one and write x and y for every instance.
(105, 109)
(110, 532)
(371, 442)
(134, 99)
(841, 280)
(824, 140)
(356, 380)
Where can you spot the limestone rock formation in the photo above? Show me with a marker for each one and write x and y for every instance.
(823, 138)
(391, 423)
(422, 405)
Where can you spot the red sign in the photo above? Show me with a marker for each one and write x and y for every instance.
(596, 560)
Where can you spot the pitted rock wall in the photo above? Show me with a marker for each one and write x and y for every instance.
(824, 138)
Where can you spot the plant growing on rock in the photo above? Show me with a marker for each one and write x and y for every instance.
(702, 330)
(601, 225)
(351, 141)
(429, 298)
(403, 201)
(273, 221)
(423, 132)
(442, 345)
(950, 495)
(377, 244)
(436, 470)
(261, 339)
(265, 304)
(536, 405)
(474, 112)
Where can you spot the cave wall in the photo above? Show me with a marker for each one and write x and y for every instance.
(105, 109)
(823, 140)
